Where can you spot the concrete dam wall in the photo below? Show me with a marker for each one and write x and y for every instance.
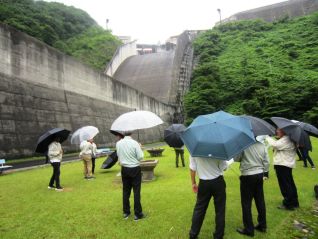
(270, 13)
(42, 88)
(164, 75)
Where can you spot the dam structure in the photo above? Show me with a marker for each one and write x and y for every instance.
(42, 88)
(164, 75)
(275, 12)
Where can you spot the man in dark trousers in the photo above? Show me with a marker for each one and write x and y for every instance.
(129, 154)
(179, 152)
(254, 165)
(212, 184)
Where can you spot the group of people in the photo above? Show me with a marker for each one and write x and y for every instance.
(254, 167)
(55, 154)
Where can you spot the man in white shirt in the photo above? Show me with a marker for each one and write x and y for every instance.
(86, 155)
(284, 162)
(212, 184)
(129, 154)
(55, 154)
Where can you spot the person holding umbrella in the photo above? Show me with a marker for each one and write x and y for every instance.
(212, 184)
(254, 166)
(172, 136)
(129, 154)
(49, 144)
(55, 154)
(86, 155)
(284, 162)
(179, 152)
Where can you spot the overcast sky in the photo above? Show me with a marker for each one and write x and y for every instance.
(151, 21)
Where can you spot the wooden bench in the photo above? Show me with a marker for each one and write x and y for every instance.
(2, 166)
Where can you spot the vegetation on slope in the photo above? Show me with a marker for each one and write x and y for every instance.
(257, 68)
(69, 29)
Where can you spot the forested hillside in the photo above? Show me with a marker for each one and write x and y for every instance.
(257, 68)
(69, 29)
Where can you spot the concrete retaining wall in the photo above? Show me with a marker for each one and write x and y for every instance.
(42, 88)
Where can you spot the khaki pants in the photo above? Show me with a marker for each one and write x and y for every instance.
(87, 160)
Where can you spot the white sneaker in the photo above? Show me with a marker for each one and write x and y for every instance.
(60, 189)
(49, 187)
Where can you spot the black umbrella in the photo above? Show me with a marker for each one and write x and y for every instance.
(172, 135)
(49, 136)
(117, 133)
(294, 131)
(110, 161)
(309, 128)
(259, 126)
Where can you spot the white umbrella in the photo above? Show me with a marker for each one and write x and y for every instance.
(84, 133)
(135, 120)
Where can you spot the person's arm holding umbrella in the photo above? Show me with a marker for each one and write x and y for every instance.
(279, 144)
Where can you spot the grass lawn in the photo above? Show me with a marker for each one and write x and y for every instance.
(93, 209)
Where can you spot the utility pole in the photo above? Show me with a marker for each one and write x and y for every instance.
(107, 21)
(219, 11)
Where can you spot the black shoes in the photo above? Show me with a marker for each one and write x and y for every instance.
(260, 228)
(244, 232)
(126, 215)
(141, 216)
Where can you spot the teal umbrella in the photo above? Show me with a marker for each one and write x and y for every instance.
(219, 135)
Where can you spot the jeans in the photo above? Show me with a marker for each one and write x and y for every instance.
(207, 189)
(131, 178)
(56, 175)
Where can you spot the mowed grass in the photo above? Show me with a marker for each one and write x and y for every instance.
(93, 209)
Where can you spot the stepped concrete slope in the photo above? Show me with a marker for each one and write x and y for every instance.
(150, 73)
(164, 75)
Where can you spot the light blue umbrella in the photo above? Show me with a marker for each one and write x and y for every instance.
(219, 135)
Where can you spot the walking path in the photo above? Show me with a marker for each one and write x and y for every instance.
(27, 165)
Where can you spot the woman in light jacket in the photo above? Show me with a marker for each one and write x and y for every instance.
(55, 154)
(284, 162)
